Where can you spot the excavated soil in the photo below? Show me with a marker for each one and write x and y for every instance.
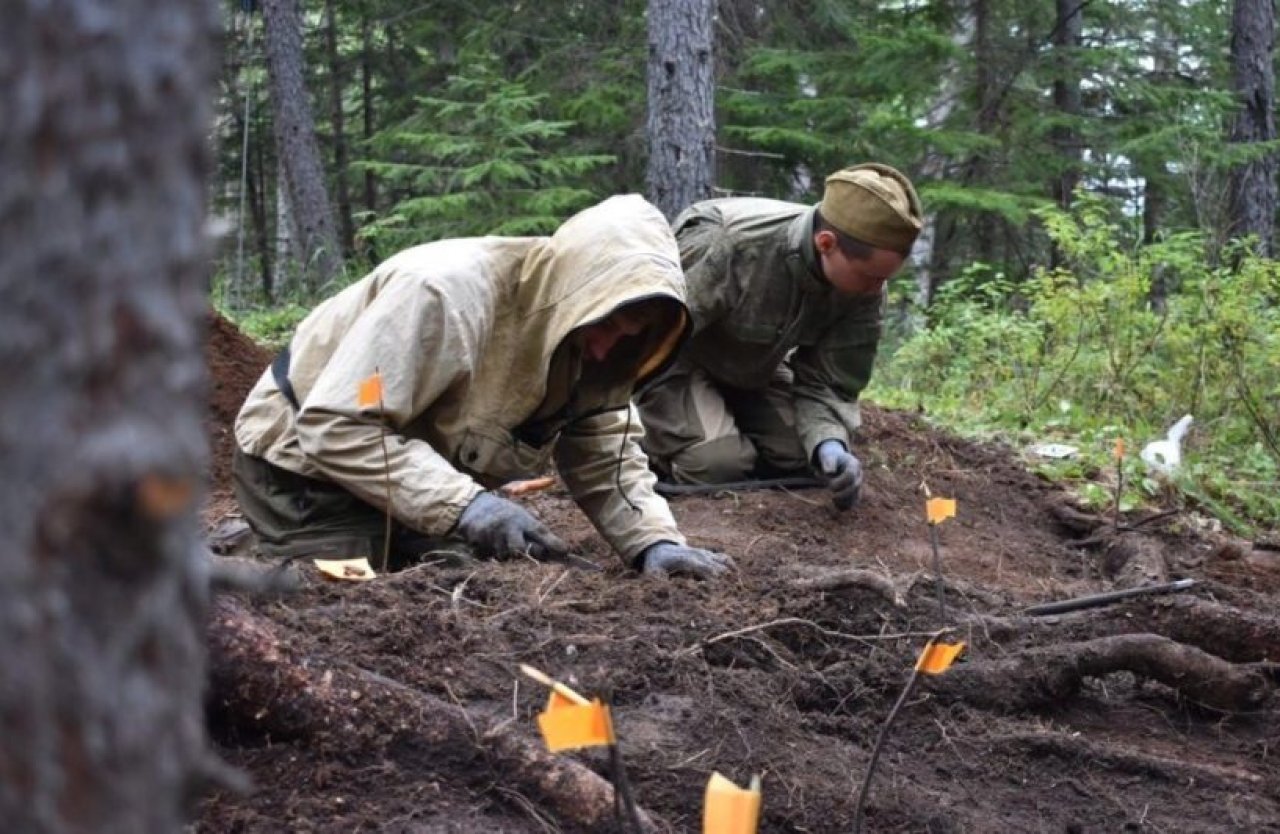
(759, 674)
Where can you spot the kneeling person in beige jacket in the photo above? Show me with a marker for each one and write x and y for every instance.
(498, 357)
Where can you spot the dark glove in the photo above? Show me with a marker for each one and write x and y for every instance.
(666, 558)
(842, 470)
(498, 527)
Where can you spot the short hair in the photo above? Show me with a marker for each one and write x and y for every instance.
(858, 250)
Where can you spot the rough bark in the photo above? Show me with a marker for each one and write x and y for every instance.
(1253, 185)
(258, 682)
(308, 198)
(681, 124)
(104, 115)
(337, 122)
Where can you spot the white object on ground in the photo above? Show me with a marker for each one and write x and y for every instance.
(1053, 450)
(1164, 456)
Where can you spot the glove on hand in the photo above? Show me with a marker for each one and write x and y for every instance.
(666, 558)
(843, 472)
(498, 527)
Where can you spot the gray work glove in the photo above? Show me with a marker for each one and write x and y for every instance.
(498, 527)
(666, 558)
(843, 472)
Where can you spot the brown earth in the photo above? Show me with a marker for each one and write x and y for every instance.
(769, 673)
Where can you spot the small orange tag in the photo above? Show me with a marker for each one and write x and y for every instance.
(728, 809)
(1119, 449)
(938, 657)
(940, 509)
(569, 726)
(370, 391)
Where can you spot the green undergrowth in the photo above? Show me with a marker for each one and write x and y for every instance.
(1086, 353)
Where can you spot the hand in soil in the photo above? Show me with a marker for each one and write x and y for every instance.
(843, 472)
(498, 527)
(667, 558)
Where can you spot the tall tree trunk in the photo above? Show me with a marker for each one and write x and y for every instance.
(1253, 185)
(366, 98)
(928, 259)
(681, 124)
(338, 121)
(104, 120)
(986, 104)
(309, 204)
(1066, 98)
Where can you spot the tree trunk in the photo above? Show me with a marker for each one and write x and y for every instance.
(104, 120)
(366, 98)
(681, 124)
(308, 198)
(1253, 184)
(338, 125)
(1066, 100)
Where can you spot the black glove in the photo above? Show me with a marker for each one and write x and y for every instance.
(666, 558)
(498, 527)
(843, 472)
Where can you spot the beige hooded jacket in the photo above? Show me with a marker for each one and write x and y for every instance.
(464, 333)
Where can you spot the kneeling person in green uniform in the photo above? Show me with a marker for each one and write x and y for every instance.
(498, 358)
(786, 302)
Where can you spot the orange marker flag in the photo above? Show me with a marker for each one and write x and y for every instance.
(570, 721)
(938, 510)
(938, 657)
(370, 391)
(728, 809)
(1119, 449)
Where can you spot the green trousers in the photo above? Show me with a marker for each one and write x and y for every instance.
(700, 432)
(295, 516)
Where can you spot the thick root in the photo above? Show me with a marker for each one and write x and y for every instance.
(257, 682)
(1043, 677)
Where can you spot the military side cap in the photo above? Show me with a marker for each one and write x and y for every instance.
(875, 204)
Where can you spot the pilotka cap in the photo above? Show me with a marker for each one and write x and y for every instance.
(875, 204)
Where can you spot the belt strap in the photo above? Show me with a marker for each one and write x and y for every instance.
(280, 373)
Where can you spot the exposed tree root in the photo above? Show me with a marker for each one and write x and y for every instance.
(258, 682)
(895, 591)
(1078, 749)
(1231, 633)
(1042, 677)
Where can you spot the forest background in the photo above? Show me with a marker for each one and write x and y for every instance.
(1099, 179)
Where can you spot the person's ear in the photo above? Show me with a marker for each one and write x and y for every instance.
(825, 241)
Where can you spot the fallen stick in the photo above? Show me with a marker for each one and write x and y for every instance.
(259, 682)
(894, 592)
(1045, 677)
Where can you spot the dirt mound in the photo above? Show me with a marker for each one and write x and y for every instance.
(235, 362)
(1152, 714)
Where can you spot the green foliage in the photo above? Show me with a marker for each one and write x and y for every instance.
(1084, 354)
(270, 326)
(478, 159)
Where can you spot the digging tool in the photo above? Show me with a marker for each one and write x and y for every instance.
(668, 489)
(1097, 600)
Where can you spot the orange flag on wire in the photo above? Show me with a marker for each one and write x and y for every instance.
(938, 657)
(938, 510)
(1119, 449)
(570, 721)
(728, 809)
(370, 391)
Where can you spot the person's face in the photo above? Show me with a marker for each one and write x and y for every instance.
(852, 276)
(600, 338)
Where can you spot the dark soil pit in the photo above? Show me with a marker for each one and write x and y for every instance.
(770, 673)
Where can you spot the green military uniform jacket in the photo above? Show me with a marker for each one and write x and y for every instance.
(758, 298)
(479, 383)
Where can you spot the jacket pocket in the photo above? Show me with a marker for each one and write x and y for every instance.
(495, 456)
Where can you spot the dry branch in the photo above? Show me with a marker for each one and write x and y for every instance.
(1043, 677)
(258, 682)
